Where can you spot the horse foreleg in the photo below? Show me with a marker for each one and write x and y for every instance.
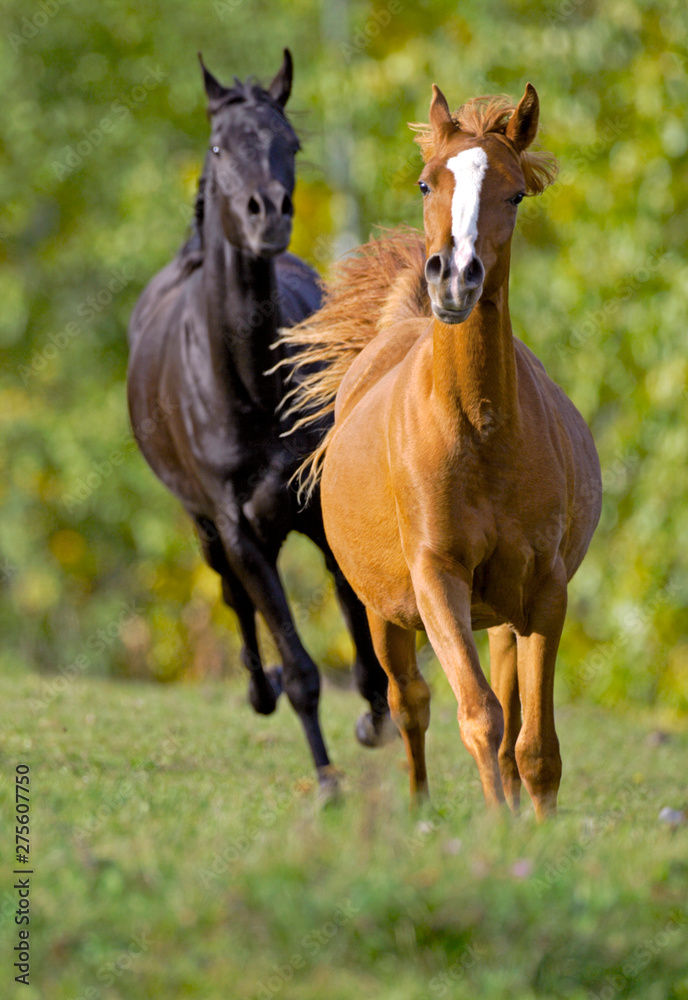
(263, 690)
(537, 747)
(373, 727)
(504, 678)
(300, 678)
(408, 694)
(264, 687)
(443, 593)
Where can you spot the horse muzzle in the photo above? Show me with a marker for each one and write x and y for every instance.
(453, 287)
(268, 221)
(270, 241)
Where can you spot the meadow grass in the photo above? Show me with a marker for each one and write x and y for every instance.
(178, 851)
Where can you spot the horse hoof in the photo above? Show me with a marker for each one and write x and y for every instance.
(375, 731)
(262, 694)
(329, 791)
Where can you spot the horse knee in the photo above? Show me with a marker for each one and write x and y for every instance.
(507, 761)
(539, 764)
(302, 688)
(409, 703)
(483, 731)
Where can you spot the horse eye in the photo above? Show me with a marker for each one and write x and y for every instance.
(517, 199)
(424, 189)
(216, 150)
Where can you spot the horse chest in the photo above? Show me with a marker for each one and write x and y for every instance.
(505, 532)
(500, 587)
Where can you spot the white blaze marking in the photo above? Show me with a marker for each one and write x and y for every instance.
(469, 169)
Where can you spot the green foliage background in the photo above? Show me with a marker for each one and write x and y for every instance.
(103, 132)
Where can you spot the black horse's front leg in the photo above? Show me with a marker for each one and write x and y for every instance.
(264, 687)
(258, 575)
(373, 728)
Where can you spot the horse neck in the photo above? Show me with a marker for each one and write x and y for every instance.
(474, 367)
(243, 317)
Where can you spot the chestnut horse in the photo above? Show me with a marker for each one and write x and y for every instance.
(203, 408)
(460, 486)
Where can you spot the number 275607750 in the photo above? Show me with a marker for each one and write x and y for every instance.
(22, 813)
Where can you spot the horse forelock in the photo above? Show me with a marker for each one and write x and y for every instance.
(488, 116)
(248, 92)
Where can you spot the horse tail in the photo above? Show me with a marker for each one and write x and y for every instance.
(382, 283)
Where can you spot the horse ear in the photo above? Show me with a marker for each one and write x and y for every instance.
(440, 115)
(280, 88)
(523, 125)
(213, 87)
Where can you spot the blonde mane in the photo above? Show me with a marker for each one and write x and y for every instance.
(382, 283)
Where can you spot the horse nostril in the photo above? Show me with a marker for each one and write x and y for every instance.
(253, 206)
(434, 268)
(287, 207)
(474, 273)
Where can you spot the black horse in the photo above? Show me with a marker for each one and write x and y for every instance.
(203, 408)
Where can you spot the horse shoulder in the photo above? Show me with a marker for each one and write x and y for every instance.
(564, 444)
(544, 404)
(157, 298)
(387, 350)
(161, 333)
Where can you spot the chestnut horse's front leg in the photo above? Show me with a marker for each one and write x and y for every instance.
(537, 747)
(504, 680)
(408, 694)
(443, 594)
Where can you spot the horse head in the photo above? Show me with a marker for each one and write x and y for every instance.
(249, 170)
(476, 173)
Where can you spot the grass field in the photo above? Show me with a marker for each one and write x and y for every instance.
(177, 851)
